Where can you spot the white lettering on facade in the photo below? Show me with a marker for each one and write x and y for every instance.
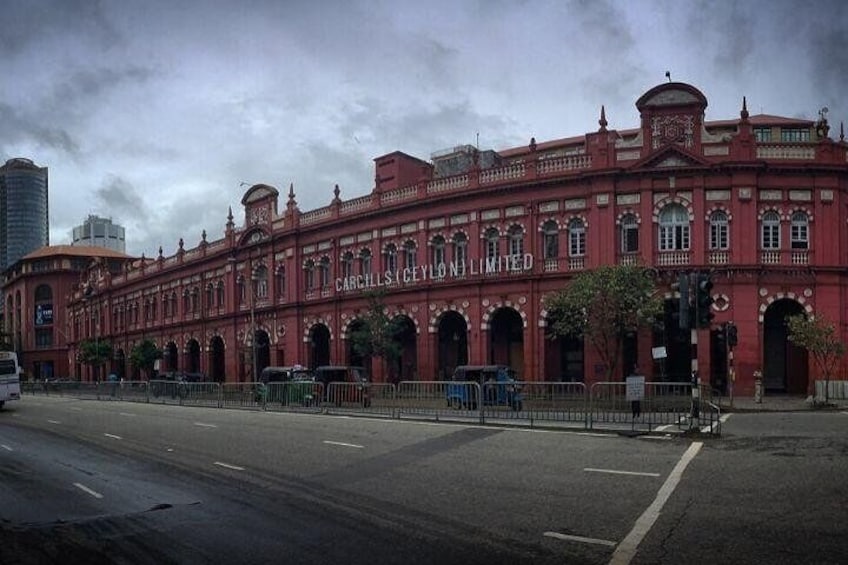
(436, 272)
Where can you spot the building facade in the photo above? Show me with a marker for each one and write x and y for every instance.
(465, 248)
(36, 294)
(100, 232)
(24, 211)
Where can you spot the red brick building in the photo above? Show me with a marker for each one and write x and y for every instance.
(468, 244)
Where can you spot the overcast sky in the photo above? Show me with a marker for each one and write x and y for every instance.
(155, 112)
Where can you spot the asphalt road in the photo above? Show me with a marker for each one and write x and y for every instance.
(113, 482)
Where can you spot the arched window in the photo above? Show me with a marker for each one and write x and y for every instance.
(220, 293)
(492, 248)
(391, 258)
(550, 240)
(210, 296)
(409, 255)
(347, 265)
(770, 236)
(629, 231)
(309, 275)
(173, 304)
(719, 231)
(576, 238)
(674, 228)
(186, 302)
(516, 240)
(365, 262)
(195, 300)
(799, 231)
(325, 272)
(460, 250)
(242, 286)
(280, 282)
(437, 246)
(260, 277)
(153, 313)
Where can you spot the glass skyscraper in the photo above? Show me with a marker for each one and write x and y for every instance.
(24, 216)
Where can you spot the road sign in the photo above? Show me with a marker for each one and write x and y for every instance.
(635, 387)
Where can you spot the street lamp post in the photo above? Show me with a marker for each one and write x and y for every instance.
(253, 279)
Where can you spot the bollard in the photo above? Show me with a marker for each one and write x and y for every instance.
(758, 387)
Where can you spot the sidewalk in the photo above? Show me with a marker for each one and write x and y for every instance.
(776, 403)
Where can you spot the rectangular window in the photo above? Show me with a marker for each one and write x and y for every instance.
(794, 134)
(43, 338)
(762, 134)
(551, 245)
(799, 236)
(718, 236)
(771, 237)
(630, 239)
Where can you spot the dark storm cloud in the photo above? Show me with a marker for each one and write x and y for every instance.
(19, 128)
(29, 22)
(122, 198)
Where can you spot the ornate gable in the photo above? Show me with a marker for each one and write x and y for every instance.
(670, 157)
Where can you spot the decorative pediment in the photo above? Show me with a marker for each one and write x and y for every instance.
(259, 192)
(670, 157)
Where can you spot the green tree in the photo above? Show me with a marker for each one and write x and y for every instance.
(143, 356)
(819, 338)
(94, 353)
(377, 334)
(604, 305)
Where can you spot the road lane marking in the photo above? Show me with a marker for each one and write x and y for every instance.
(581, 539)
(54, 421)
(228, 466)
(113, 436)
(845, 412)
(202, 425)
(76, 409)
(6, 447)
(626, 550)
(614, 472)
(344, 444)
(126, 414)
(84, 488)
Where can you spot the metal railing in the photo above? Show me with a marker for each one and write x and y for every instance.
(601, 406)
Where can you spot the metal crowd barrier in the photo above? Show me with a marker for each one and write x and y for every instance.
(558, 404)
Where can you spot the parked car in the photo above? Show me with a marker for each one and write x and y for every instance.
(292, 385)
(497, 385)
(356, 388)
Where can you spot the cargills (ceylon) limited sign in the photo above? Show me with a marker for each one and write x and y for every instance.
(436, 272)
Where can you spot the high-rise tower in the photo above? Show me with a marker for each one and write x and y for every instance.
(24, 216)
(100, 232)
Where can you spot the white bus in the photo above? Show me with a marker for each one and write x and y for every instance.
(10, 377)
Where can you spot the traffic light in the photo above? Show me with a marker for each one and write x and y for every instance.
(732, 334)
(703, 300)
(682, 286)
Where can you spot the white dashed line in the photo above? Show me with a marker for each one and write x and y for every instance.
(614, 472)
(844, 412)
(113, 436)
(581, 539)
(126, 414)
(228, 466)
(626, 550)
(88, 490)
(6, 447)
(202, 425)
(54, 421)
(344, 444)
(76, 409)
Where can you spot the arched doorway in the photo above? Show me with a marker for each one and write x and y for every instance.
(564, 359)
(120, 361)
(506, 340)
(263, 350)
(169, 357)
(406, 365)
(354, 357)
(319, 346)
(217, 362)
(192, 362)
(452, 346)
(784, 364)
(676, 366)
